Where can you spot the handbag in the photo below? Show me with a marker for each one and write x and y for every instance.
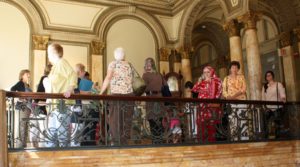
(138, 84)
(165, 91)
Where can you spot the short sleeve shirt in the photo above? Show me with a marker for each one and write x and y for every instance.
(232, 86)
(121, 82)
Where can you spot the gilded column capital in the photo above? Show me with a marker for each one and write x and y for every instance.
(233, 28)
(297, 33)
(175, 56)
(249, 19)
(185, 55)
(97, 47)
(185, 52)
(164, 54)
(40, 42)
(285, 39)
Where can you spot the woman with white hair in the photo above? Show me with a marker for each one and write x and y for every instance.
(119, 76)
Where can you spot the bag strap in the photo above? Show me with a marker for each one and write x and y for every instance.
(277, 93)
(133, 70)
(277, 90)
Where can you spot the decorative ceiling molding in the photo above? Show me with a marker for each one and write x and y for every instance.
(234, 8)
(162, 7)
(171, 25)
(50, 10)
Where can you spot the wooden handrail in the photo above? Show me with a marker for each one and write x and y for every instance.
(3, 131)
(135, 98)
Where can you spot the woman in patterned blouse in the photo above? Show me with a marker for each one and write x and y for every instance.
(234, 88)
(119, 77)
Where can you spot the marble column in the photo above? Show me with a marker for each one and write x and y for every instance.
(186, 70)
(233, 28)
(164, 60)
(40, 43)
(253, 54)
(289, 67)
(297, 33)
(97, 61)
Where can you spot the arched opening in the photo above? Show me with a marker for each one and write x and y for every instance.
(14, 44)
(211, 47)
(205, 54)
(204, 26)
(138, 42)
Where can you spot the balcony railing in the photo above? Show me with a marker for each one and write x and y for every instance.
(37, 121)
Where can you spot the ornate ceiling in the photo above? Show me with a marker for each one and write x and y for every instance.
(168, 7)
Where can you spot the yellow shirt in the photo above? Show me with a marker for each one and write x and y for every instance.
(62, 77)
(231, 86)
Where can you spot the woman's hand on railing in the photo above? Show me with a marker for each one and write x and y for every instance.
(68, 93)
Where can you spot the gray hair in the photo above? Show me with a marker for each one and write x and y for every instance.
(152, 62)
(119, 53)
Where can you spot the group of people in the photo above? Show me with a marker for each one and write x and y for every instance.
(233, 87)
(60, 77)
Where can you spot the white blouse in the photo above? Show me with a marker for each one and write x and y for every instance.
(275, 92)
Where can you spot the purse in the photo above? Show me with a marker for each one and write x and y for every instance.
(138, 84)
(165, 91)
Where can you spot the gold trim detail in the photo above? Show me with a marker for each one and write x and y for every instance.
(249, 19)
(233, 28)
(40, 42)
(164, 54)
(97, 47)
(185, 52)
(285, 39)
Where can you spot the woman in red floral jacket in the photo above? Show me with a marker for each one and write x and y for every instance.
(209, 86)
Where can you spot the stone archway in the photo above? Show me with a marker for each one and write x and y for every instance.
(203, 23)
(115, 14)
(109, 17)
(199, 8)
(12, 36)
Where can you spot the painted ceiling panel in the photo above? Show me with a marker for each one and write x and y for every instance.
(70, 15)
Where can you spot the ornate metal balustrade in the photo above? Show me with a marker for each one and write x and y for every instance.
(102, 121)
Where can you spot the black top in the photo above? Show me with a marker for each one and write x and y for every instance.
(195, 95)
(19, 86)
(76, 90)
(40, 87)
